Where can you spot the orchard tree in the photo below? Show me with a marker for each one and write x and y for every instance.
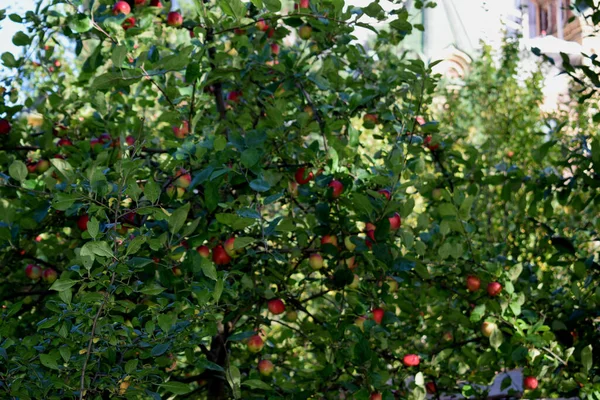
(237, 200)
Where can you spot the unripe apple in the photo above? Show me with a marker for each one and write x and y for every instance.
(42, 166)
(220, 256)
(473, 283)
(276, 306)
(337, 188)
(49, 275)
(255, 344)
(175, 19)
(392, 284)
(411, 360)
(204, 251)
(436, 194)
(350, 262)
(33, 272)
(302, 176)
(121, 7)
(386, 193)
(360, 322)
(487, 328)
(315, 261)
(184, 179)
(369, 120)
(349, 244)
(177, 271)
(305, 32)
(530, 383)
(175, 192)
(82, 222)
(274, 49)
(128, 23)
(395, 222)
(329, 239)
(494, 289)
(375, 396)
(234, 96)
(4, 127)
(431, 388)
(355, 282)
(293, 188)
(265, 367)
(261, 25)
(291, 315)
(378, 314)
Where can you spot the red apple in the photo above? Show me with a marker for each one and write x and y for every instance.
(371, 235)
(156, 3)
(386, 193)
(204, 251)
(473, 283)
(276, 306)
(274, 49)
(375, 396)
(411, 360)
(176, 271)
(234, 96)
(315, 261)
(261, 25)
(369, 227)
(378, 314)
(431, 388)
(64, 142)
(428, 143)
(184, 179)
(4, 127)
(182, 131)
(33, 272)
(31, 166)
(494, 289)
(230, 248)
(265, 367)
(255, 344)
(220, 256)
(395, 222)
(128, 23)
(369, 120)
(448, 336)
(487, 328)
(302, 176)
(304, 4)
(305, 32)
(510, 154)
(337, 188)
(175, 19)
(350, 262)
(82, 222)
(329, 239)
(121, 7)
(49, 275)
(530, 383)
(42, 166)
(139, 2)
(130, 140)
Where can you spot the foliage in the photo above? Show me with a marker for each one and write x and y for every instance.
(139, 312)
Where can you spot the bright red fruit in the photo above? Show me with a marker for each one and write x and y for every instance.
(234, 96)
(64, 142)
(261, 25)
(276, 306)
(378, 314)
(82, 222)
(473, 283)
(386, 193)
(220, 256)
(494, 288)
(4, 127)
(395, 222)
(255, 344)
(121, 7)
(337, 188)
(304, 3)
(128, 23)
(530, 383)
(174, 19)
(156, 3)
(33, 271)
(302, 177)
(140, 2)
(411, 360)
(130, 140)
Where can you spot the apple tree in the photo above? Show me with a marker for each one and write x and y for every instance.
(228, 199)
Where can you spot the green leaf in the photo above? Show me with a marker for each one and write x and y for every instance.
(120, 79)
(63, 284)
(272, 5)
(18, 170)
(176, 387)
(64, 169)
(118, 55)
(496, 338)
(586, 358)
(135, 244)
(234, 379)
(257, 384)
(477, 313)
(65, 353)
(178, 218)
(233, 8)
(208, 269)
(21, 39)
(48, 361)
(97, 248)
(9, 60)
(152, 190)
(160, 349)
(218, 290)
(63, 201)
(250, 157)
(92, 227)
(131, 366)
(152, 290)
(260, 185)
(242, 241)
(79, 23)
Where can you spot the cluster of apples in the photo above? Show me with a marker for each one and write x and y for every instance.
(181, 182)
(222, 254)
(34, 272)
(174, 18)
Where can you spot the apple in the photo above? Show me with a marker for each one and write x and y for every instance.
(204, 251)
(378, 314)
(276, 306)
(82, 222)
(64, 142)
(128, 23)
(220, 256)
(386, 193)
(510, 154)
(121, 7)
(265, 367)
(371, 235)
(49, 275)
(337, 188)
(176, 271)
(184, 179)
(181, 132)
(349, 244)
(4, 127)
(239, 32)
(305, 32)
(234, 96)
(31, 166)
(329, 239)
(176, 192)
(33, 272)
(355, 282)
(293, 188)
(302, 177)
(494, 289)
(351, 262)
(230, 248)
(392, 284)
(428, 143)
(315, 261)
(42, 166)
(375, 396)
(255, 344)
(411, 360)
(530, 383)
(274, 48)
(395, 222)
(291, 316)
(130, 140)
(304, 4)
(448, 337)
(473, 283)
(369, 227)
(261, 25)
(156, 3)
(270, 32)
(139, 2)
(487, 328)
(431, 388)
(360, 322)
(436, 194)
(175, 19)
(369, 120)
